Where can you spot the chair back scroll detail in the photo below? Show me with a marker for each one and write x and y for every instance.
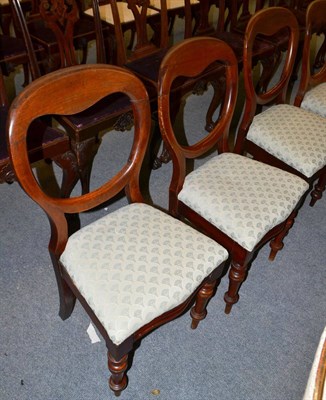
(60, 16)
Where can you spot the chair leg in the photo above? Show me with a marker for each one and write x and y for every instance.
(70, 175)
(85, 152)
(118, 379)
(66, 296)
(277, 243)
(219, 87)
(199, 312)
(317, 193)
(237, 275)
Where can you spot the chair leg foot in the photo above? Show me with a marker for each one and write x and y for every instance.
(199, 312)
(237, 275)
(319, 188)
(277, 243)
(118, 380)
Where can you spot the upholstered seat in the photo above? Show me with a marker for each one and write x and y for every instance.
(137, 263)
(232, 193)
(125, 13)
(315, 100)
(293, 135)
(172, 4)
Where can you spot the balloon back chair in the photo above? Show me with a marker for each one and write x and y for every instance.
(237, 201)
(282, 135)
(312, 88)
(137, 267)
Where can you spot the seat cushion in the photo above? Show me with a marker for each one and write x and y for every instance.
(315, 100)
(125, 14)
(135, 264)
(243, 198)
(293, 135)
(172, 4)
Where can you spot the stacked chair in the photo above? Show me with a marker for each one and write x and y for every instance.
(84, 128)
(283, 135)
(312, 88)
(138, 267)
(43, 143)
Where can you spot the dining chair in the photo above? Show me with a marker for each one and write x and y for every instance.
(239, 202)
(152, 43)
(282, 135)
(265, 53)
(80, 27)
(119, 16)
(134, 268)
(311, 94)
(84, 128)
(280, 38)
(43, 143)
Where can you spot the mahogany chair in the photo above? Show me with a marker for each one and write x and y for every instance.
(145, 58)
(283, 135)
(280, 38)
(312, 88)
(45, 13)
(85, 127)
(264, 52)
(43, 143)
(239, 202)
(136, 268)
(118, 15)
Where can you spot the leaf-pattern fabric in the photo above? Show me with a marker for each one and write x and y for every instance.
(136, 263)
(242, 197)
(293, 135)
(315, 100)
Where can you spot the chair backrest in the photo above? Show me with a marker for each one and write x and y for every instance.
(315, 24)
(69, 91)
(60, 16)
(22, 32)
(189, 59)
(151, 26)
(268, 22)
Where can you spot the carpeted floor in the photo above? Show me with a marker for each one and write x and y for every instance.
(262, 351)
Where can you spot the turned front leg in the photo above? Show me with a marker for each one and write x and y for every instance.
(317, 193)
(237, 275)
(199, 312)
(277, 243)
(118, 379)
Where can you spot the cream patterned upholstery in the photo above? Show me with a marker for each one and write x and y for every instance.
(137, 263)
(293, 135)
(243, 198)
(315, 100)
(171, 4)
(125, 13)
